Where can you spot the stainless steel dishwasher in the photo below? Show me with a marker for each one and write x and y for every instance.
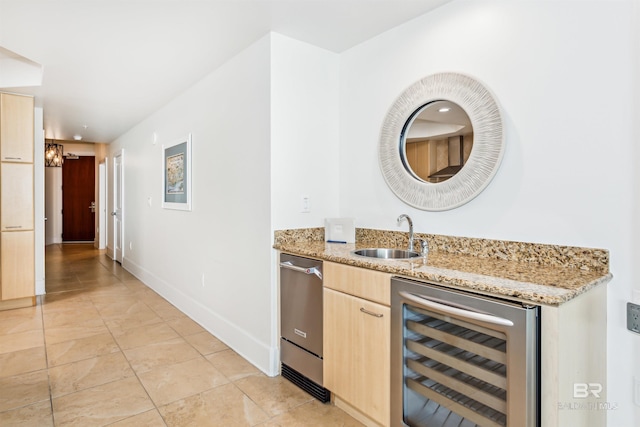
(301, 323)
(459, 359)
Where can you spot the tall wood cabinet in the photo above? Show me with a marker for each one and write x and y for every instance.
(17, 236)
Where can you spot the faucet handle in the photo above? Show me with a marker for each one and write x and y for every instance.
(424, 246)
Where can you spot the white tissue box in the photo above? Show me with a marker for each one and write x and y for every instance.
(340, 230)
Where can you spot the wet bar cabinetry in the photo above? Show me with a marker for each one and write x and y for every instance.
(357, 335)
(17, 236)
(567, 283)
(357, 331)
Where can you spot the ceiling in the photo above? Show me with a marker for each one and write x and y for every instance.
(108, 64)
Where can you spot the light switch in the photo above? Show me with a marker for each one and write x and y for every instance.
(305, 204)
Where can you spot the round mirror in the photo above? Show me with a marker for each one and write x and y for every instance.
(436, 141)
(441, 142)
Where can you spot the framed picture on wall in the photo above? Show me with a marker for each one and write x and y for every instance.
(176, 179)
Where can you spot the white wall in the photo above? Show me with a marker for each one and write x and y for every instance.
(264, 130)
(304, 133)
(562, 73)
(635, 226)
(101, 205)
(53, 205)
(206, 261)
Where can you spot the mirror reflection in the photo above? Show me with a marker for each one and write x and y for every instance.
(436, 141)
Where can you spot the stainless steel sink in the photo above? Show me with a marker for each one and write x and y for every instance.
(386, 253)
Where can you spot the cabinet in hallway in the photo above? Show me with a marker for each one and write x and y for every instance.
(16, 128)
(17, 236)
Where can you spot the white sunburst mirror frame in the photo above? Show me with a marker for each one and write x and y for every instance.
(486, 153)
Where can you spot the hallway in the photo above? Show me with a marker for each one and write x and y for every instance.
(101, 348)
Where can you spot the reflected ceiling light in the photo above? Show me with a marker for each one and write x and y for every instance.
(444, 110)
(53, 154)
(77, 137)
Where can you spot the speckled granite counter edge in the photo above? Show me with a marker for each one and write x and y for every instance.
(595, 262)
(590, 259)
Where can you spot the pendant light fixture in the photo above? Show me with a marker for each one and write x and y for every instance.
(53, 154)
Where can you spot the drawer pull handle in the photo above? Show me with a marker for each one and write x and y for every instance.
(305, 270)
(370, 313)
(9, 227)
(13, 158)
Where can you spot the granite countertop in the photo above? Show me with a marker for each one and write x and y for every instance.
(540, 274)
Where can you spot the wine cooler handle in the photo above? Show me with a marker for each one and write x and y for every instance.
(454, 311)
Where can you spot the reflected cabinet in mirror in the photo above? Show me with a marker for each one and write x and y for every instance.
(441, 142)
(437, 141)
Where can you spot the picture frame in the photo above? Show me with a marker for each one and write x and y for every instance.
(176, 175)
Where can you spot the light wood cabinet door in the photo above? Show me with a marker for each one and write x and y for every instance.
(17, 264)
(16, 128)
(356, 353)
(16, 196)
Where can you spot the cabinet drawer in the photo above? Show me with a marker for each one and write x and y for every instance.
(16, 196)
(360, 282)
(17, 265)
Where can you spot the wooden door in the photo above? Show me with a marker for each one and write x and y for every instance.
(78, 197)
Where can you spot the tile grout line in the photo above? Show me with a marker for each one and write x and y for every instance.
(135, 373)
(93, 357)
(40, 300)
(200, 356)
(139, 295)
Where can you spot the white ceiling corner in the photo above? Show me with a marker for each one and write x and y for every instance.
(18, 71)
(108, 64)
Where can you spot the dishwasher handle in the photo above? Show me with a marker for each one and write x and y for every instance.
(305, 270)
(454, 311)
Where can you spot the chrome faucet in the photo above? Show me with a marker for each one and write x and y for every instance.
(403, 217)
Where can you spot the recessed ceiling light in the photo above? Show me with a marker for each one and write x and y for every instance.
(77, 137)
(444, 110)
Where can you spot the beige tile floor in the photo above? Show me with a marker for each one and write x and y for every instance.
(101, 349)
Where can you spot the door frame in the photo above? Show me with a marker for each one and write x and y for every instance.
(118, 191)
(103, 187)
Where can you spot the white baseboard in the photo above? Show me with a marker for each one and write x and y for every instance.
(262, 356)
(53, 241)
